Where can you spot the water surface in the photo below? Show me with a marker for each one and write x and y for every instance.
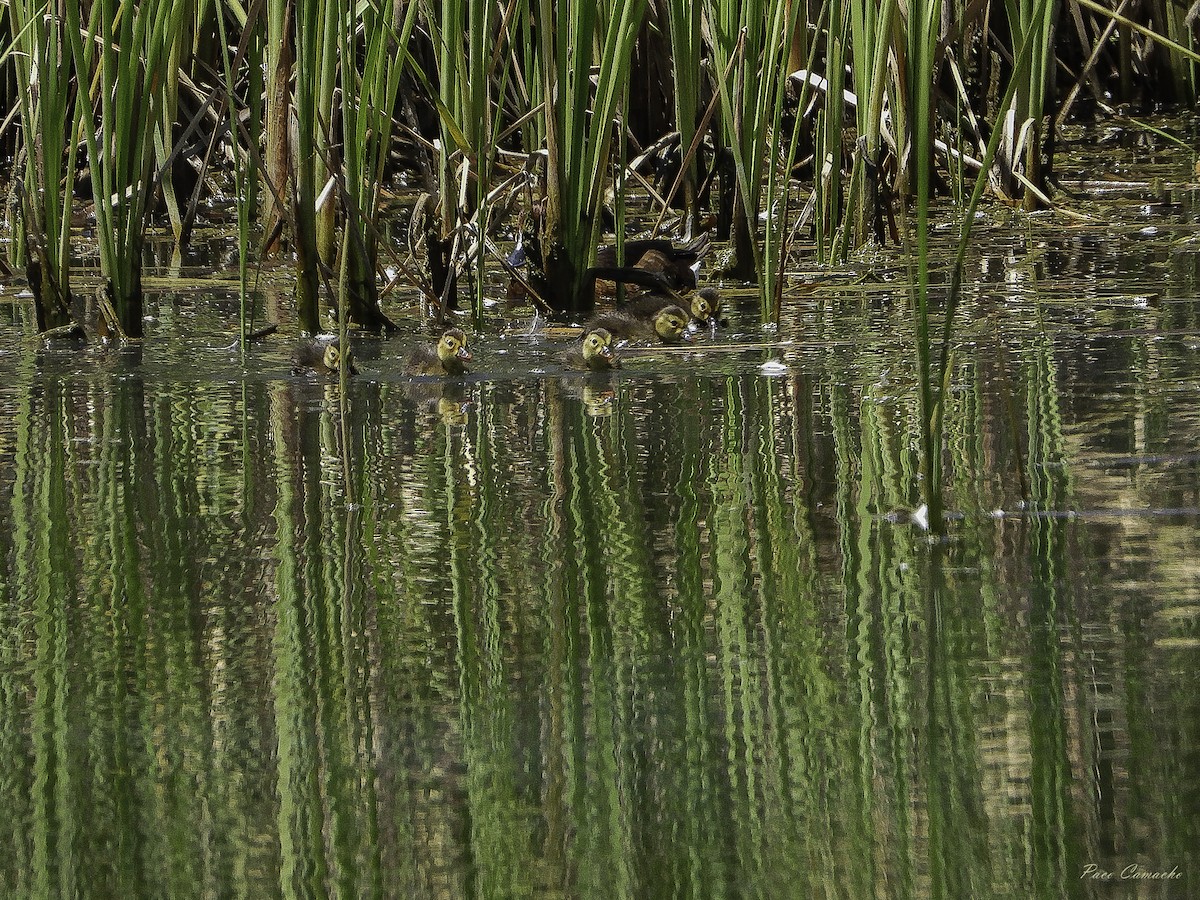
(670, 633)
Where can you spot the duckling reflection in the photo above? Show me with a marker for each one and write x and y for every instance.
(449, 399)
(599, 401)
(595, 389)
(321, 356)
(452, 411)
(448, 357)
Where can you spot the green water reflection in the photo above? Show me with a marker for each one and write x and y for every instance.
(260, 639)
(672, 634)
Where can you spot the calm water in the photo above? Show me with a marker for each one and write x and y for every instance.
(669, 634)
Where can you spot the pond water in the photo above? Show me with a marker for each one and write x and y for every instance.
(673, 633)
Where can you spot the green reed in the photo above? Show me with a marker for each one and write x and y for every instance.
(245, 175)
(921, 64)
(1176, 25)
(176, 59)
(872, 30)
(316, 58)
(828, 152)
(751, 44)
(120, 54)
(684, 19)
(555, 71)
(252, 44)
(368, 96)
(934, 380)
(473, 65)
(574, 40)
(47, 114)
(1163, 40)
(778, 188)
(278, 56)
(348, 63)
(1031, 21)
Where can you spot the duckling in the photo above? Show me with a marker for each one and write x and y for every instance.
(320, 356)
(449, 357)
(594, 351)
(710, 297)
(704, 305)
(668, 325)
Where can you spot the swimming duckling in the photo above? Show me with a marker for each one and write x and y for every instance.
(320, 356)
(704, 305)
(449, 357)
(594, 351)
(668, 325)
(710, 297)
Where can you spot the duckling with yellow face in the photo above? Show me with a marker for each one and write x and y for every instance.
(320, 356)
(593, 351)
(448, 357)
(704, 305)
(668, 325)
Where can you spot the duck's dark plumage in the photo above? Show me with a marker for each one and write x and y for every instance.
(636, 250)
(654, 264)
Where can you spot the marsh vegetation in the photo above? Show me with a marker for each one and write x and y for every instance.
(883, 588)
(556, 121)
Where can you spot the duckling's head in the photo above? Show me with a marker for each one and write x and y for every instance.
(706, 305)
(452, 350)
(598, 350)
(332, 358)
(671, 325)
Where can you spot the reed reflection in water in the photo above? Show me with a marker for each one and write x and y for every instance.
(641, 637)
